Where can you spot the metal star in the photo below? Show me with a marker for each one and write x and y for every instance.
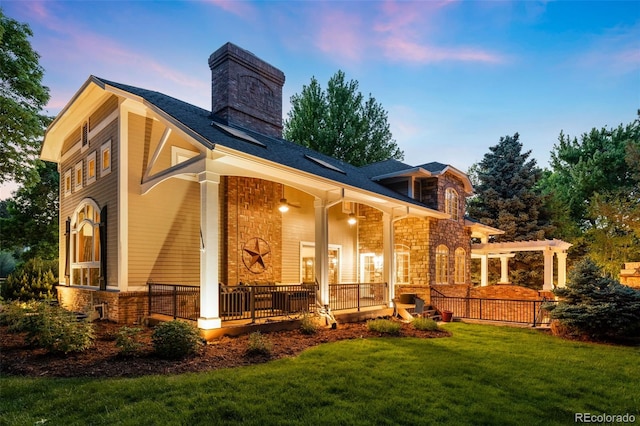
(255, 253)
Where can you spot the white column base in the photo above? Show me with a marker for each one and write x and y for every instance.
(209, 323)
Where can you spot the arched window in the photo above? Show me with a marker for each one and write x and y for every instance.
(85, 245)
(402, 258)
(460, 266)
(451, 205)
(442, 264)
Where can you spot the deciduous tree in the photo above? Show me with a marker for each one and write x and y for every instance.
(341, 123)
(22, 98)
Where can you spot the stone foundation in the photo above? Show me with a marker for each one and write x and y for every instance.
(123, 308)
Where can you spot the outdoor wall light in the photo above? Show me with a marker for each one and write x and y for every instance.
(284, 206)
(352, 219)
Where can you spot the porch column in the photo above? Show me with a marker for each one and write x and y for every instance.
(322, 248)
(484, 264)
(504, 268)
(562, 268)
(388, 266)
(209, 235)
(548, 269)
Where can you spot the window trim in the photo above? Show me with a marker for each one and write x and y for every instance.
(67, 184)
(106, 147)
(442, 264)
(79, 167)
(451, 197)
(460, 266)
(91, 158)
(77, 267)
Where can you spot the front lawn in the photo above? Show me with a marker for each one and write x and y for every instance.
(481, 375)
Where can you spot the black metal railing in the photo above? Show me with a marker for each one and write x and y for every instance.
(357, 295)
(507, 310)
(174, 300)
(266, 301)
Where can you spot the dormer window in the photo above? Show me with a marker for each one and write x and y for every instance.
(451, 203)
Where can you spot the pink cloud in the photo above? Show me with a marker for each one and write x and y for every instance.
(400, 49)
(238, 8)
(340, 34)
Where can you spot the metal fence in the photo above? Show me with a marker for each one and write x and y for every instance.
(507, 310)
(175, 300)
(357, 295)
(266, 301)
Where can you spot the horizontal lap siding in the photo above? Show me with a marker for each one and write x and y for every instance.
(103, 191)
(164, 224)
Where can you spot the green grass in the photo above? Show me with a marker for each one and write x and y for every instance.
(481, 375)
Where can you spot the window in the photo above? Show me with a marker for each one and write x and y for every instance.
(85, 245)
(442, 264)
(451, 203)
(370, 268)
(460, 266)
(67, 182)
(78, 175)
(105, 158)
(402, 258)
(91, 168)
(307, 263)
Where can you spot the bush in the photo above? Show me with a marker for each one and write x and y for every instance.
(259, 344)
(424, 324)
(48, 326)
(34, 280)
(308, 324)
(175, 339)
(384, 326)
(127, 340)
(597, 306)
(7, 263)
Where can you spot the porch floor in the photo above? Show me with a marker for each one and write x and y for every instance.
(284, 322)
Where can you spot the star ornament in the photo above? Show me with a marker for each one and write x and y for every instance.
(254, 254)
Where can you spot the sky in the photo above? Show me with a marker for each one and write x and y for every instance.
(454, 76)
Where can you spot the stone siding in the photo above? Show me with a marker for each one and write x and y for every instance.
(123, 308)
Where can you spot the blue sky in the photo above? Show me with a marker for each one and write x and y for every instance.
(453, 76)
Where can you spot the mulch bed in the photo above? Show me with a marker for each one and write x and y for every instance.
(104, 359)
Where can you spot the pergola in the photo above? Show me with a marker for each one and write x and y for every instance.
(504, 251)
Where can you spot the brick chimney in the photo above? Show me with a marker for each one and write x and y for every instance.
(246, 91)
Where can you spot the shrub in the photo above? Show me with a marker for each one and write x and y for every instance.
(7, 263)
(56, 329)
(175, 339)
(424, 324)
(597, 306)
(34, 280)
(259, 344)
(384, 326)
(308, 324)
(127, 340)
(13, 314)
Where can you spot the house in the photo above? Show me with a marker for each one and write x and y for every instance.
(157, 192)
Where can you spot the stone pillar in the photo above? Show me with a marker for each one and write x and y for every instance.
(562, 268)
(209, 230)
(388, 267)
(322, 248)
(548, 269)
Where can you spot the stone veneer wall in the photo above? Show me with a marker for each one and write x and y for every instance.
(250, 209)
(123, 308)
(414, 233)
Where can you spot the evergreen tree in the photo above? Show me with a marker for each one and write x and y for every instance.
(339, 122)
(507, 199)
